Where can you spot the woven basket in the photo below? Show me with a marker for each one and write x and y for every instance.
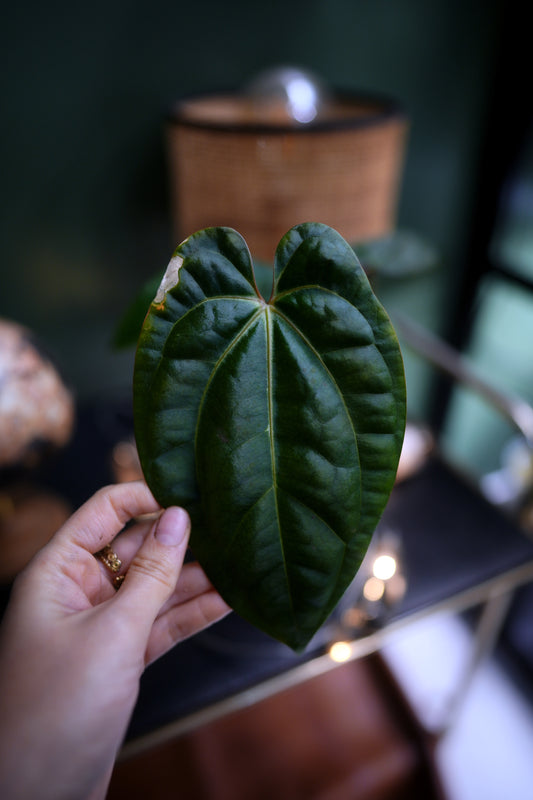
(261, 174)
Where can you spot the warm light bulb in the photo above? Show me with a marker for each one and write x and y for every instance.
(384, 567)
(373, 589)
(340, 652)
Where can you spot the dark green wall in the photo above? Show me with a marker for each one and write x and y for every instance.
(85, 216)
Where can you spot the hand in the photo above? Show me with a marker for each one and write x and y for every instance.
(73, 648)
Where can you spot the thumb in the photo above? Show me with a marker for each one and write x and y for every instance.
(153, 573)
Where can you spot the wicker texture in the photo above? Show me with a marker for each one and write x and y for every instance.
(263, 180)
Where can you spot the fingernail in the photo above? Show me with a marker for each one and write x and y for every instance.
(172, 526)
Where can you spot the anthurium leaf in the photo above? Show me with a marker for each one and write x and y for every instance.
(128, 328)
(400, 254)
(277, 424)
(130, 323)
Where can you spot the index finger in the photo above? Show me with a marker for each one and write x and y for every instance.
(103, 516)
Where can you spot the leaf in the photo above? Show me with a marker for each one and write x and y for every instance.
(126, 333)
(400, 254)
(129, 325)
(277, 425)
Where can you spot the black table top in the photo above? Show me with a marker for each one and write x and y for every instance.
(451, 538)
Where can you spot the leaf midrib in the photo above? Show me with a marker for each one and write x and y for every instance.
(270, 402)
(313, 349)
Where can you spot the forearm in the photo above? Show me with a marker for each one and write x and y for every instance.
(36, 766)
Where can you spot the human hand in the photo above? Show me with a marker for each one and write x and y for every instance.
(73, 648)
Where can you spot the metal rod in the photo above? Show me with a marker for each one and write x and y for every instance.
(360, 647)
(517, 411)
(490, 623)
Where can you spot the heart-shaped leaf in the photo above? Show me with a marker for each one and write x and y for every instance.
(277, 425)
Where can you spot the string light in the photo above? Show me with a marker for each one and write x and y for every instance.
(374, 589)
(340, 652)
(384, 567)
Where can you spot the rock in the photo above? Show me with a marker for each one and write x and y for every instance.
(36, 408)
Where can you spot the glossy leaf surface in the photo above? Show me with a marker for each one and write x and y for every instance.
(277, 425)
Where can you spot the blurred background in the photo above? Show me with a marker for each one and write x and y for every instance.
(86, 215)
(87, 205)
(85, 190)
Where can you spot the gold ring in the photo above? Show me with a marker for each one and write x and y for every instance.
(109, 558)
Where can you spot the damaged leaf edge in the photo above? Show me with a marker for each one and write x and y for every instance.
(170, 278)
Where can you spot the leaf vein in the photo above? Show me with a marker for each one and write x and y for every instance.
(272, 457)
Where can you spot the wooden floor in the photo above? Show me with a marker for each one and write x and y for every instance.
(347, 734)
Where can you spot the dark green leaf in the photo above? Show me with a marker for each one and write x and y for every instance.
(126, 334)
(277, 425)
(400, 254)
(129, 325)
